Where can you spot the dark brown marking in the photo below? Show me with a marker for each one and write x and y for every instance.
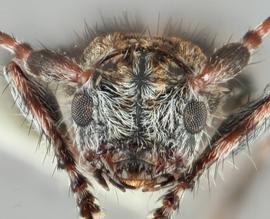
(253, 38)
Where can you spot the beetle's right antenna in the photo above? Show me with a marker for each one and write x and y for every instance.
(45, 63)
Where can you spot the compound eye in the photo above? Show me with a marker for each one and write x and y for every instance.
(194, 116)
(81, 109)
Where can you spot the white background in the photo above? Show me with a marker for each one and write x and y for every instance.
(27, 188)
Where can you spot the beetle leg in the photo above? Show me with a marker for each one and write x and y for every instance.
(37, 102)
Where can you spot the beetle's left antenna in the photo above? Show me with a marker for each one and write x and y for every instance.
(21, 50)
(229, 60)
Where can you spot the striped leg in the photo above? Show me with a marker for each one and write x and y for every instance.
(36, 102)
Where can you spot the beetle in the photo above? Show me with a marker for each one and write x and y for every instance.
(142, 111)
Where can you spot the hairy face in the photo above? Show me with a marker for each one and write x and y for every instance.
(139, 107)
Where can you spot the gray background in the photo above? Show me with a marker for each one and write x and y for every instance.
(28, 187)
